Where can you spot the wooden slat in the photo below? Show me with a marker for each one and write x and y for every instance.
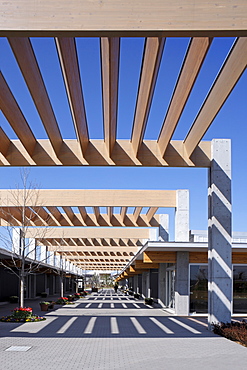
(58, 216)
(26, 59)
(110, 48)
(96, 212)
(151, 212)
(159, 257)
(69, 63)
(227, 78)
(109, 213)
(198, 257)
(150, 66)
(123, 213)
(15, 117)
(83, 212)
(137, 212)
(195, 56)
(5, 142)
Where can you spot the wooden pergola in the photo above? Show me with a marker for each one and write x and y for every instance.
(60, 221)
(110, 21)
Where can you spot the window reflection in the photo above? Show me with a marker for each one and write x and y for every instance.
(239, 289)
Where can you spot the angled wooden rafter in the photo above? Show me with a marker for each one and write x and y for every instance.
(194, 58)
(110, 49)
(69, 64)
(231, 71)
(150, 66)
(15, 117)
(26, 59)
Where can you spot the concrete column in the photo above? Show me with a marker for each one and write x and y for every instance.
(32, 248)
(182, 216)
(153, 234)
(16, 240)
(219, 233)
(182, 284)
(145, 278)
(135, 283)
(162, 284)
(164, 228)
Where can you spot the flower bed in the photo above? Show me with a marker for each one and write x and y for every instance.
(22, 314)
(63, 300)
(33, 318)
(235, 331)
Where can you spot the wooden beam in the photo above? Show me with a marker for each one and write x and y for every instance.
(97, 155)
(198, 257)
(231, 71)
(82, 248)
(150, 213)
(110, 49)
(194, 58)
(96, 212)
(15, 117)
(74, 220)
(239, 257)
(26, 59)
(83, 212)
(92, 197)
(123, 213)
(159, 257)
(96, 232)
(150, 66)
(143, 265)
(129, 18)
(66, 48)
(109, 213)
(5, 142)
(137, 212)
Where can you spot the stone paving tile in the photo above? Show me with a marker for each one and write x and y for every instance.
(76, 337)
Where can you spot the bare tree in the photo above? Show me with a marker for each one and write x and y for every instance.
(19, 217)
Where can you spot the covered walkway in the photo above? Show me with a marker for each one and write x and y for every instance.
(114, 331)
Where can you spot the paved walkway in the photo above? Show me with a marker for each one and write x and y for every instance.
(113, 331)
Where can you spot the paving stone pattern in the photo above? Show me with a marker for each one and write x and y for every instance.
(114, 331)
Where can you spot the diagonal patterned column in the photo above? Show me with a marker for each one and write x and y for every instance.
(219, 234)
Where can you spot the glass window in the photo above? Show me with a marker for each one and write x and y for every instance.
(239, 289)
(198, 288)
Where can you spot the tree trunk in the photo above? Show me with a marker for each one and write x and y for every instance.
(21, 298)
(61, 285)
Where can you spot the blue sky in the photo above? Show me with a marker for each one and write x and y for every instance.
(229, 123)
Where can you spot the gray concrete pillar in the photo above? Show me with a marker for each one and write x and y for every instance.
(182, 216)
(164, 228)
(162, 284)
(145, 283)
(219, 233)
(182, 284)
(135, 280)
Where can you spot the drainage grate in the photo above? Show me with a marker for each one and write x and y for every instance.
(18, 348)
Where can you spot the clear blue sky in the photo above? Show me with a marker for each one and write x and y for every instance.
(231, 122)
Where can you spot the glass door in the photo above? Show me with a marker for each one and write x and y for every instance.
(198, 288)
(171, 287)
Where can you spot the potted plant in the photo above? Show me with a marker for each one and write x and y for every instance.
(44, 305)
(70, 297)
(43, 295)
(62, 300)
(136, 295)
(149, 301)
(13, 299)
